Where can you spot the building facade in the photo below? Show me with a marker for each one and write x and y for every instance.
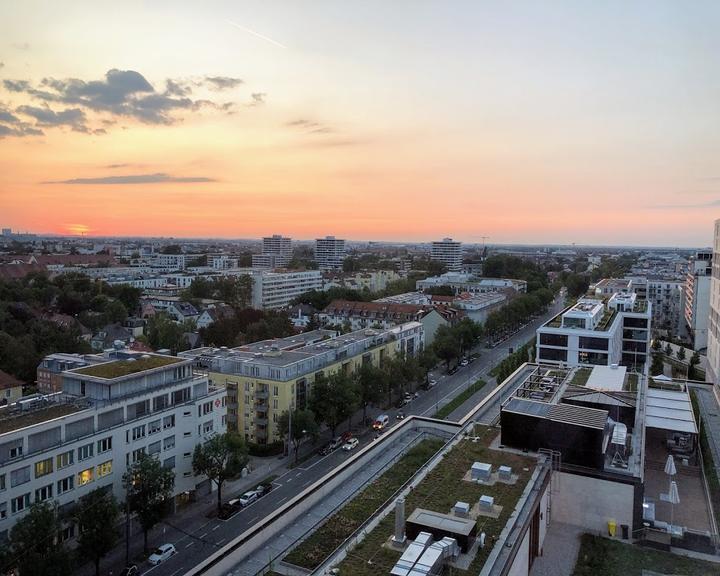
(329, 253)
(267, 378)
(697, 299)
(449, 252)
(598, 332)
(471, 284)
(61, 447)
(278, 289)
(713, 348)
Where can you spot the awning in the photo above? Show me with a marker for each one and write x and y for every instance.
(669, 410)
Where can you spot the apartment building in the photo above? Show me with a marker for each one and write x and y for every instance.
(600, 332)
(713, 347)
(329, 253)
(449, 252)
(171, 261)
(697, 298)
(62, 446)
(471, 284)
(222, 262)
(277, 289)
(264, 379)
(276, 252)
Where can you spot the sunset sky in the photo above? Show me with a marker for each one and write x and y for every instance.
(542, 122)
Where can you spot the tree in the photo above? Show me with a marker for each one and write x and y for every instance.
(692, 370)
(440, 290)
(149, 491)
(657, 366)
(35, 544)
(334, 399)
(303, 425)
(656, 345)
(97, 517)
(220, 458)
(427, 361)
(681, 353)
(163, 332)
(668, 350)
(446, 345)
(371, 382)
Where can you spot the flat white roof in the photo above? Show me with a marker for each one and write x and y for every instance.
(607, 378)
(669, 410)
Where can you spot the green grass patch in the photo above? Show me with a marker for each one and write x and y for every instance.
(321, 543)
(707, 457)
(439, 490)
(581, 376)
(456, 402)
(118, 368)
(612, 558)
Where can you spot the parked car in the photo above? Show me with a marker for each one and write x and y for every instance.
(161, 554)
(130, 570)
(351, 444)
(432, 383)
(336, 443)
(230, 508)
(400, 415)
(263, 489)
(380, 422)
(464, 363)
(248, 498)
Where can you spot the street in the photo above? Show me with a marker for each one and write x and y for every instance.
(196, 536)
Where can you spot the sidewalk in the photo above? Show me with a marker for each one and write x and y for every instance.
(187, 518)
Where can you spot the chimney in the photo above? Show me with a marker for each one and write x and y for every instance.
(399, 537)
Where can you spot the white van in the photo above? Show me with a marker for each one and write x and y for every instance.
(380, 422)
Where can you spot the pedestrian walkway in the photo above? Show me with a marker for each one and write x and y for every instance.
(560, 551)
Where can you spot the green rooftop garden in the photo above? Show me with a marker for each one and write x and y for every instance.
(612, 558)
(581, 376)
(606, 320)
(118, 368)
(439, 490)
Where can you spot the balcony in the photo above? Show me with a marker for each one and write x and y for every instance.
(261, 394)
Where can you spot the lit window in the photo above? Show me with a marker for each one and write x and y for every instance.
(85, 477)
(43, 467)
(104, 469)
(65, 459)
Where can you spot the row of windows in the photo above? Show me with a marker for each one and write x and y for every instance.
(20, 503)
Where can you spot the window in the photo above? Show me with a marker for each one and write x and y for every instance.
(154, 427)
(593, 343)
(16, 452)
(169, 421)
(275, 403)
(104, 469)
(138, 432)
(553, 339)
(85, 452)
(187, 434)
(67, 533)
(154, 448)
(160, 402)
(137, 454)
(169, 462)
(104, 445)
(3, 510)
(20, 503)
(2, 482)
(187, 413)
(44, 493)
(19, 476)
(552, 354)
(65, 459)
(44, 467)
(275, 390)
(207, 407)
(85, 477)
(169, 443)
(207, 427)
(65, 485)
(187, 455)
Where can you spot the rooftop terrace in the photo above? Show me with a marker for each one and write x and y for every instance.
(119, 368)
(11, 421)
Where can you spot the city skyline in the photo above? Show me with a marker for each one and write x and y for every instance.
(527, 124)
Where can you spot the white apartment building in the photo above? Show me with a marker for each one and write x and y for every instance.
(697, 298)
(276, 252)
(598, 332)
(172, 261)
(278, 289)
(329, 253)
(449, 253)
(222, 262)
(471, 284)
(713, 347)
(61, 447)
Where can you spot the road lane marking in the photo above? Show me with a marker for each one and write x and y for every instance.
(190, 544)
(216, 527)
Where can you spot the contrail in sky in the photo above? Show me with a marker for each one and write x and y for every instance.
(256, 34)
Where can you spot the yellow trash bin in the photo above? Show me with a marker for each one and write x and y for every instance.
(612, 527)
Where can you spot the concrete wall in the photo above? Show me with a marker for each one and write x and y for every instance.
(520, 564)
(591, 502)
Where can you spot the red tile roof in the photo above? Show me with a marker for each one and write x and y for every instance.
(8, 381)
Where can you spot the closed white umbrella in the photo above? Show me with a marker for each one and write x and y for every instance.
(670, 466)
(674, 498)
